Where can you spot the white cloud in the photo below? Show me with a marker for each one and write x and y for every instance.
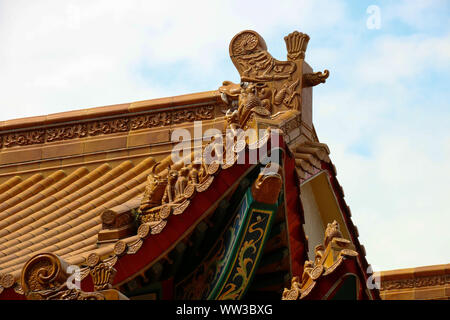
(394, 59)
(420, 15)
(399, 198)
(398, 186)
(75, 54)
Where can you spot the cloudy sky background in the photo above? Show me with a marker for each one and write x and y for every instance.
(384, 111)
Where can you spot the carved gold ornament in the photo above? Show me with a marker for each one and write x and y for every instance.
(102, 276)
(120, 248)
(328, 258)
(296, 44)
(44, 277)
(267, 186)
(268, 86)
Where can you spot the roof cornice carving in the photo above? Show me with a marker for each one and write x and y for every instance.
(121, 124)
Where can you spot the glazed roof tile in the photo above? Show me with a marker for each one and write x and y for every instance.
(61, 212)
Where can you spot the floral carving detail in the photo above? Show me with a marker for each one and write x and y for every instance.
(244, 42)
(120, 248)
(24, 138)
(134, 247)
(296, 44)
(102, 276)
(111, 126)
(92, 259)
(7, 280)
(150, 121)
(415, 282)
(67, 133)
(172, 117)
(95, 128)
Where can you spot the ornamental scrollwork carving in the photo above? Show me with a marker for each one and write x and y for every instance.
(268, 185)
(107, 127)
(102, 276)
(328, 257)
(104, 127)
(170, 194)
(268, 86)
(419, 282)
(45, 277)
(313, 79)
(248, 51)
(170, 191)
(67, 133)
(24, 138)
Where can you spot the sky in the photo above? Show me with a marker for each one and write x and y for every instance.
(383, 111)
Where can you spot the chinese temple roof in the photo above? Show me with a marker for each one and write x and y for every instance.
(98, 189)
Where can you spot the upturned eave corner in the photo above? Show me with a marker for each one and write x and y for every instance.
(329, 258)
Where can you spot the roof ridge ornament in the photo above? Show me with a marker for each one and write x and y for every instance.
(268, 87)
(45, 277)
(296, 44)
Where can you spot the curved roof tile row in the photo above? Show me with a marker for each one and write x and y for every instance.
(61, 213)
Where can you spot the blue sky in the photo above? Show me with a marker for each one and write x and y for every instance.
(383, 112)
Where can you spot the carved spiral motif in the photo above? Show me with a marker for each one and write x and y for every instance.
(7, 280)
(189, 191)
(120, 247)
(92, 259)
(42, 272)
(143, 230)
(165, 212)
(245, 42)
